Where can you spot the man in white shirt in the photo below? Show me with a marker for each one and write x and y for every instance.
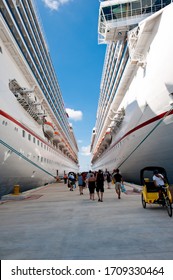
(158, 182)
(158, 179)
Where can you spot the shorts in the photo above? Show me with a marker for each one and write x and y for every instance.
(100, 188)
(91, 189)
(118, 186)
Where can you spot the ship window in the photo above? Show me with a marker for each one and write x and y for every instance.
(38, 158)
(33, 139)
(38, 142)
(4, 123)
(29, 137)
(41, 144)
(41, 159)
(23, 133)
(107, 13)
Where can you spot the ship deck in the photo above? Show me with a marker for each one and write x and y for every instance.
(52, 223)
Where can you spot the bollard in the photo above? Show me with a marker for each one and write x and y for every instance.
(16, 190)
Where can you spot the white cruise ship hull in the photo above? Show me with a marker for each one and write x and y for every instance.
(145, 135)
(26, 163)
(29, 155)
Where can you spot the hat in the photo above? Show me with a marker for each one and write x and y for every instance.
(156, 172)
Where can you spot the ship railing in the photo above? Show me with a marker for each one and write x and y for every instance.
(30, 62)
(116, 16)
(40, 23)
(116, 120)
(29, 106)
(123, 18)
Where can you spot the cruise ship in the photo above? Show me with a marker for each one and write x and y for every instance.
(37, 142)
(134, 122)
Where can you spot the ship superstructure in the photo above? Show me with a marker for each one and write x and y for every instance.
(35, 132)
(135, 104)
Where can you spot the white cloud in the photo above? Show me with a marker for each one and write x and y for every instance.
(85, 163)
(74, 115)
(85, 150)
(79, 141)
(55, 4)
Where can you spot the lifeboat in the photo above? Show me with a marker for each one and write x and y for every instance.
(62, 144)
(48, 129)
(108, 138)
(65, 148)
(65, 151)
(106, 141)
(56, 137)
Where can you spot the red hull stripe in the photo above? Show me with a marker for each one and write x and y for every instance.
(156, 118)
(22, 126)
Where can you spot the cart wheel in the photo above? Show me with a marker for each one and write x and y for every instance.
(168, 206)
(143, 201)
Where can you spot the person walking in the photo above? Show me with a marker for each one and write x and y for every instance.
(88, 176)
(100, 185)
(71, 180)
(65, 178)
(91, 185)
(108, 179)
(80, 183)
(118, 179)
(84, 174)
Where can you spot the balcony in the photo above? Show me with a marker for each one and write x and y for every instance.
(116, 17)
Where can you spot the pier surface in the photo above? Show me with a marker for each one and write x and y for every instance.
(53, 223)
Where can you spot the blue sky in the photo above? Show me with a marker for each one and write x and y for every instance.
(70, 28)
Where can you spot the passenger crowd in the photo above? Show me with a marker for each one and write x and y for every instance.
(95, 182)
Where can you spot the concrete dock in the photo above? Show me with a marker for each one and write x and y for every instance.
(53, 223)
